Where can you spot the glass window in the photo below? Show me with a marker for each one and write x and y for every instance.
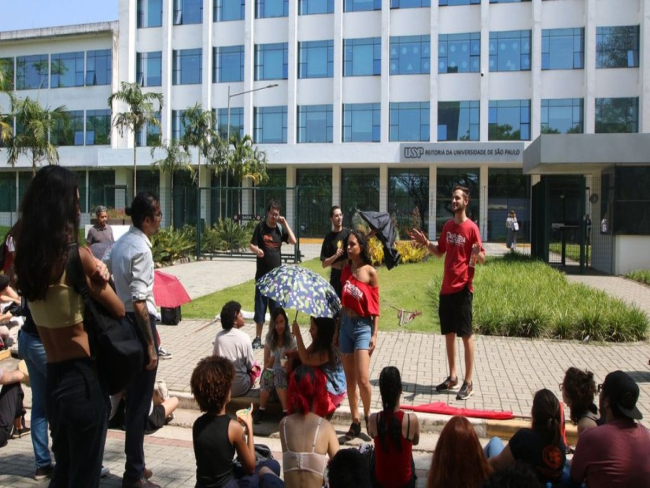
(562, 116)
(617, 47)
(67, 70)
(265, 9)
(98, 67)
(409, 3)
(32, 72)
(71, 132)
(314, 201)
(632, 201)
(617, 115)
(149, 68)
(459, 53)
(187, 67)
(236, 121)
(563, 48)
(408, 189)
(310, 7)
(188, 12)
(459, 121)
(446, 179)
(362, 57)
(409, 121)
(361, 122)
(316, 59)
(149, 135)
(7, 67)
(508, 189)
(410, 55)
(510, 51)
(359, 191)
(361, 5)
(148, 180)
(7, 191)
(227, 10)
(315, 123)
(178, 124)
(271, 61)
(101, 188)
(509, 120)
(508, 1)
(270, 125)
(228, 64)
(149, 13)
(98, 127)
(445, 3)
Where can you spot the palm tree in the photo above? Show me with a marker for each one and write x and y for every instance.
(176, 159)
(34, 124)
(6, 125)
(246, 161)
(141, 111)
(199, 131)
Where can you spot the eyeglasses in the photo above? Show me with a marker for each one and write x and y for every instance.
(600, 387)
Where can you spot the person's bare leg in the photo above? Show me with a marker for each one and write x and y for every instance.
(351, 379)
(264, 397)
(362, 361)
(450, 342)
(170, 405)
(468, 343)
(258, 329)
(282, 396)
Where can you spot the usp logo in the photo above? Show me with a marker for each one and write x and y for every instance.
(413, 152)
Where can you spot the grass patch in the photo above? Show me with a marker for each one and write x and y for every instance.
(515, 296)
(640, 275)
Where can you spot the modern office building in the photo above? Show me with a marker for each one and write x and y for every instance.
(542, 107)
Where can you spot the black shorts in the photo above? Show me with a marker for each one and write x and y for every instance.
(156, 420)
(455, 312)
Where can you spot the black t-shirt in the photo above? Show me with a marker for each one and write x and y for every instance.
(269, 240)
(330, 245)
(213, 451)
(547, 460)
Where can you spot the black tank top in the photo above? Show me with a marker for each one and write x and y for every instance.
(213, 451)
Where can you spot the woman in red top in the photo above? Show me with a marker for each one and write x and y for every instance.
(395, 433)
(359, 325)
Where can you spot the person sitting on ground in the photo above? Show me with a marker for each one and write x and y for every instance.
(160, 413)
(348, 468)
(100, 232)
(541, 446)
(616, 454)
(307, 438)
(322, 353)
(395, 433)
(578, 390)
(11, 313)
(216, 436)
(231, 343)
(278, 343)
(517, 475)
(458, 460)
(12, 413)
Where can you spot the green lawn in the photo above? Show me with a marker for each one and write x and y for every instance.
(640, 275)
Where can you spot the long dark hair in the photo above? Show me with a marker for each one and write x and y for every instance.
(49, 222)
(390, 388)
(546, 416)
(272, 337)
(363, 243)
(324, 340)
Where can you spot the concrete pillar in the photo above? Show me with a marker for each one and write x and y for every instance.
(383, 185)
(536, 74)
(292, 84)
(434, 77)
(483, 204)
(336, 184)
(433, 195)
(337, 98)
(590, 66)
(485, 71)
(385, 70)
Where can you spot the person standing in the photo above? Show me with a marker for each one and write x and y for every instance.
(266, 243)
(131, 263)
(100, 232)
(513, 226)
(460, 240)
(333, 252)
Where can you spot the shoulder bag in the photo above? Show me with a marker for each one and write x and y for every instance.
(114, 345)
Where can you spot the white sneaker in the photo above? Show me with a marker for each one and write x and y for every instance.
(164, 353)
(161, 386)
(105, 471)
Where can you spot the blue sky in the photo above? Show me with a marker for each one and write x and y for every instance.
(32, 14)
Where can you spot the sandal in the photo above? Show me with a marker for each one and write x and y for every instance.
(354, 431)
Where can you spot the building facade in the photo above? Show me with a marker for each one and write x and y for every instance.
(371, 104)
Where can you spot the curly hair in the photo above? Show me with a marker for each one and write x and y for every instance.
(362, 239)
(546, 414)
(272, 338)
(307, 391)
(579, 388)
(211, 383)
(228, 314)
(390, 388)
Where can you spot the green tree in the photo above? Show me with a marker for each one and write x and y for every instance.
(245, 161)
(6, 129)
(175, 159)
(199, 132)
(141, 111)
(33, 125)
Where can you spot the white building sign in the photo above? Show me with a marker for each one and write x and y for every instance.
(463, 152)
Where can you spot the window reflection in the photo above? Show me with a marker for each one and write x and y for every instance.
(459, 53)
(562, 116)
(409, 121)
(459, 121)
(410, 55)
(510, 51)
(563, 48)
(509, 120)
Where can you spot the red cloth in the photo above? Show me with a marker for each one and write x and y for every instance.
(392, 467)
(443, 408)
(457, 241)
(168, 292)
(358, 296)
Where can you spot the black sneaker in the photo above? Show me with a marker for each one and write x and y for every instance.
(42, 473)
(466, 391)
(258, 416)
(257, 343)
(448, 384)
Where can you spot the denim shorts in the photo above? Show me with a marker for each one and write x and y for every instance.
(355, 333)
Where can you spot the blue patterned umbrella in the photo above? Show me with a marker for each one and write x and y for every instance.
(300, 289)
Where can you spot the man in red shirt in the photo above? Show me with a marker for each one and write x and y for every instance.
(460, 240)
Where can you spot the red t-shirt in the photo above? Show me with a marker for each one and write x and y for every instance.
(456, 242)
(358, 296)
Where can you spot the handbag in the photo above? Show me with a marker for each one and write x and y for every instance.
(515, 226)
(115, 348)
(262, 454)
